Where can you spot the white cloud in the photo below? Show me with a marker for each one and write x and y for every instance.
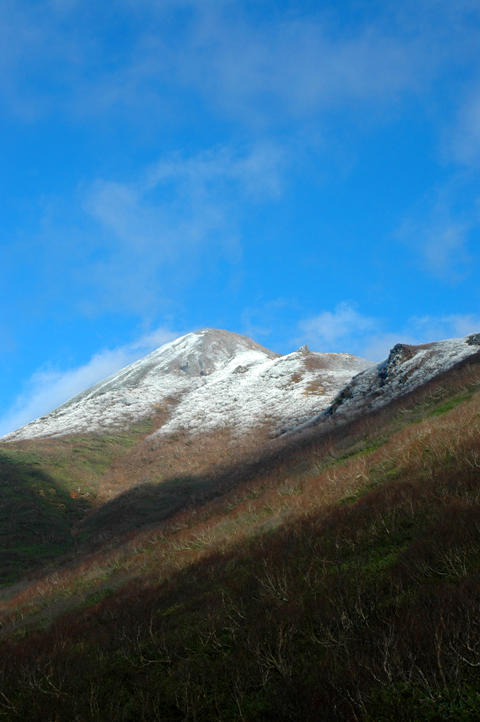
(444, 248)
(173, 218)
(376, 346)
(465, 138)
(439, 231)
(432, 328)
(49, 388)
(421, 329)
(237, 57)
(256, 171)
(347, 330)
(329, 329)
(241, 59)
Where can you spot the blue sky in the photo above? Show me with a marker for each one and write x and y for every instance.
(301, 172)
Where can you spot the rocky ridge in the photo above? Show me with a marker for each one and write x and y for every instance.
(407, 367)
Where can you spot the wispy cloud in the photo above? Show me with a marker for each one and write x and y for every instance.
(38, 42)
(440, 231)
(154, 229)
(226, 52)
(445, 248)
(464, 144)
(48, 387)
(345, 329)
(247, 68)
(331, 329)
(242, 62)
(432, 328)
(420, 329)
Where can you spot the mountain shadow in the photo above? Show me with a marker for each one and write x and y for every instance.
(36, 518)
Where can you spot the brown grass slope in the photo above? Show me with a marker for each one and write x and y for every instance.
(333, 577)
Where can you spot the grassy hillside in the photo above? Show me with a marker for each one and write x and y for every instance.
(36, 516)
(332, 578)
(47, 488)
(101, 487)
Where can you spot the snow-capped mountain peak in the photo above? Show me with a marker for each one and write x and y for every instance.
(200, 353)
(213, 379)
(202, 381)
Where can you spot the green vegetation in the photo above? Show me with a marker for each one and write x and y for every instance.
(46, 490)
(451, 403)
(36, 517)
(335, 611)
(78, 460)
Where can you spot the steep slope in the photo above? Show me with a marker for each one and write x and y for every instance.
(406, 368)
(202, 381)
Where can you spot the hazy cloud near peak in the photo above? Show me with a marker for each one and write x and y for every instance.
(48, 388)
(331, 328)
(418, 330)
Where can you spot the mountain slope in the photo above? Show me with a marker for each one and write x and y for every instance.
(172, 430)
(193, 406)
(202, 381)
(406, 368)
(336, 579)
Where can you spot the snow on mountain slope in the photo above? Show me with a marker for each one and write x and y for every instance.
(281, 391)
(205, 380)
(406, 368)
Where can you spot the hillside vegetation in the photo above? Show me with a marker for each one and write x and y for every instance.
(329, 577)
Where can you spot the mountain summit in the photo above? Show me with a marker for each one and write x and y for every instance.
(202, 381)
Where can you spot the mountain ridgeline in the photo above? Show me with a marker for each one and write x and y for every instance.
(219, 532)
(204, 381)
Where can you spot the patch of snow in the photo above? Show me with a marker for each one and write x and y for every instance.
(280, 391)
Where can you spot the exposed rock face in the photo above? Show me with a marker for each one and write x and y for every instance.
(406, 368)
(474, 339)
(398, 355)
(203, 381)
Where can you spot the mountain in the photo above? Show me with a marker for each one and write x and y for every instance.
(203, 381)
(321, 562)
(406, 368)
